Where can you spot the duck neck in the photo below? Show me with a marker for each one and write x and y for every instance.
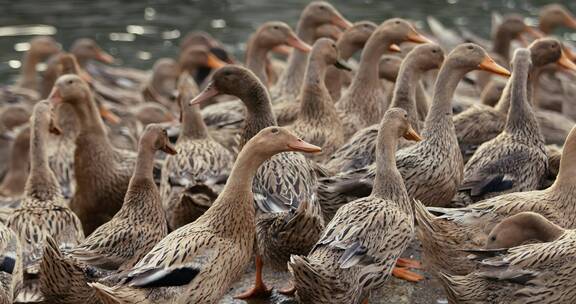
(334, 76)
(346, 48)
(369, 61)
(41, 183)
(503, 104)
(315, 96)
(566, 178)
(422, 102)
(440, 115)
(405, 90)
(89, 117)
(143, 172)
(28, 75)
(521, 119)
(193, 126)
(259, 112)
(291, 79)
(502, 41)
(256, 58)
(546, 231)
(388, 183)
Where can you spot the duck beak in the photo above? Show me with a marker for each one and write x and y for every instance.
(411, 134)
(302, 146)
(283, 50)
(489, 65)
(416, 37)
(342, 65)
(534, 32)
(394, 48)
(108, 115)
(214, 62)
(298, 44)
(169, 149)
(570, 21)
(55, 98)
(565, 62)
(340, 22)
(104, 57)
(208, 92)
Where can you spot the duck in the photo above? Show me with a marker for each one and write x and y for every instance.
(446, 232)
(516, 159)
(118, 244)
(41, 48)
(479, 123)
(102, 172)
(351, 41)
(439, 173)
(162, 82)
(42, 211)
(14, 181)
(186, 183)
(11, 270)
(213, 251)
(318, 122)
(514, 272)
(359, 247)
(314, 15)
(284, 186)
(554, 15)
(366, 85)
(359, 151)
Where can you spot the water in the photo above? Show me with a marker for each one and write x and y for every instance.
(139, 32)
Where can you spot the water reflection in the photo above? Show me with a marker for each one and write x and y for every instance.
(138, 32)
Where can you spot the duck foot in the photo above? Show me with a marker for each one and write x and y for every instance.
(408, 263)
(288, 291)
(259, 290)
(407, 275)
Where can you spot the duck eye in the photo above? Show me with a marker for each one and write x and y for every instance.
(275, 27)
(405, 115)
(333, 45)
(70, 81)
(397, 22)
(434, 51)
(493, 238)
(322, 7)
(274, 130)
(470, 47)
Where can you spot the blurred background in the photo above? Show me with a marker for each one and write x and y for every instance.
(138, 32)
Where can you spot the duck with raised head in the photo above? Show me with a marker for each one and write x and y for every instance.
(359, 151)
(118, 244)
(313, 16)
(209, 254)
(433, 168)
(284, 185)
(359, 247)
(515, 160)
(481, 123)
(318, 122)
(351, 41)
(102, 172)
(444, 236)
(512, 271)
(363, 104)
(11, 271)
(188, 179)
(43, 211)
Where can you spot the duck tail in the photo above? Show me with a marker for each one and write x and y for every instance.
(309, 282)
(61, 276)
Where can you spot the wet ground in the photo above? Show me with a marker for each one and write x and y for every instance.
(396, 291)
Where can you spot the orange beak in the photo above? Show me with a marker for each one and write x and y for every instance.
(394, 48)
(214, 62)
(108, 115)
(283, 50)
(570, 22)
(302, 146)
(489, 65)
(104, 57)
(206, 94)
(411, 134)
(169, 149)
(418, 38)
(565, 62)
(534, 32)
(55, 97)
(298, 44)
(340, 22)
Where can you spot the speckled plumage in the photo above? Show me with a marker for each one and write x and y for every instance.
(516, 159)
(11, 271)
(359, 247)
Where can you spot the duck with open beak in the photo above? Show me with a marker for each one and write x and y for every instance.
(488, 64)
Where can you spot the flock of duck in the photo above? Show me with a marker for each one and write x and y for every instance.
(129, 186)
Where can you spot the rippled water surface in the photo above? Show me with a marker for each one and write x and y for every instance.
(138, 32)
